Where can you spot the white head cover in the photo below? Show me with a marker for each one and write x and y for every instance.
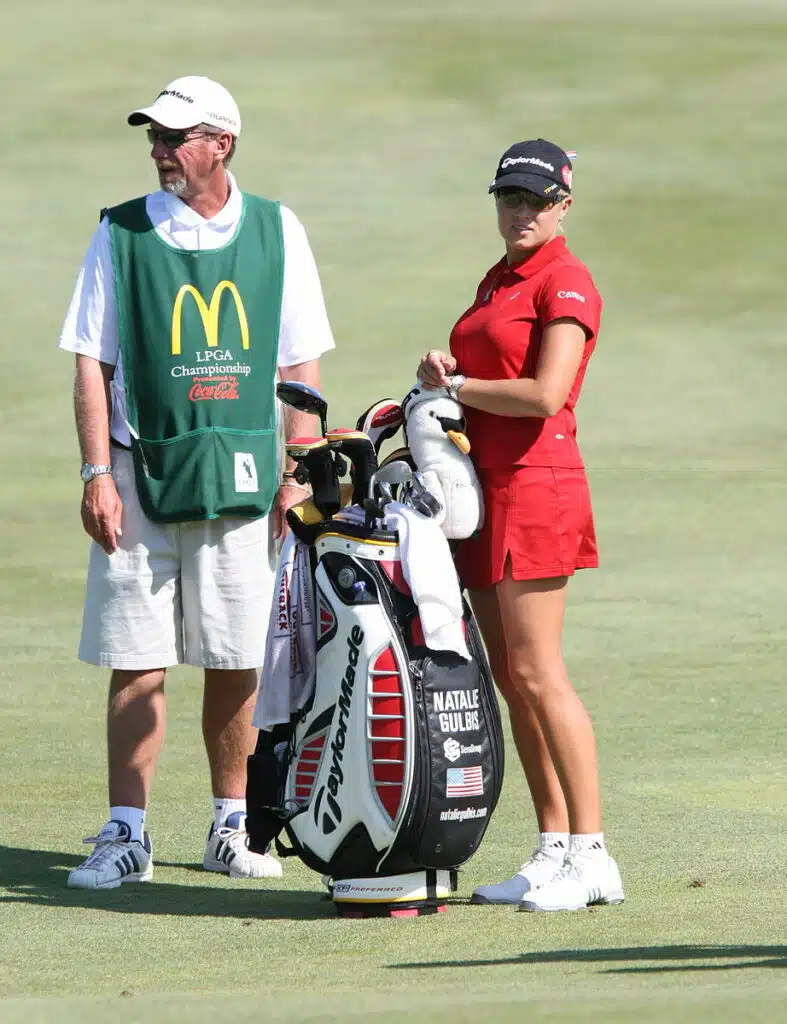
(190, 101)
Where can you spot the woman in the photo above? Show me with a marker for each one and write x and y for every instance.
(522, 350)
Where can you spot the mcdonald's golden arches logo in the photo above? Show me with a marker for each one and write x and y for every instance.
(209, 314)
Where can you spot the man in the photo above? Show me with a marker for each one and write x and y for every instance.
(188, 302)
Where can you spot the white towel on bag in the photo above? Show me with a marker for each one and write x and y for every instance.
(429, 571)
(290, 651)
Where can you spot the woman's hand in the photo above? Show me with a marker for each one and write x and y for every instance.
(435, 368)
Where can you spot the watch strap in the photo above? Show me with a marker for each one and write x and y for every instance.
(90, 470)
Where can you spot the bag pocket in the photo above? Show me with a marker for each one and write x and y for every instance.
(457, 770)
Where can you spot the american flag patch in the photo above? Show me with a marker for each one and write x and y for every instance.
(464, 782)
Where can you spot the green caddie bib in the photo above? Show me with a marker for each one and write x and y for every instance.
(198, 335)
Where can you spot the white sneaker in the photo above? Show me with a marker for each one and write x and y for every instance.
(228, 851)
(116, 859)
(584, 880)
(538, 869)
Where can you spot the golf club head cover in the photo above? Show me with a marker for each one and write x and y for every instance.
(381, 421)
(358, 447)
(435, 425)
(315, 455)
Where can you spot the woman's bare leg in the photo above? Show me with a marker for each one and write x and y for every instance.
(531, 615)
(542, 779)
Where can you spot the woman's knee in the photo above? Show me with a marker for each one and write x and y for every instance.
(536, 680)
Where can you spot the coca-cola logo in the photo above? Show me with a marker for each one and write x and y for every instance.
(214, 389)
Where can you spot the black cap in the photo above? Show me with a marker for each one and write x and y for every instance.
(536, 165)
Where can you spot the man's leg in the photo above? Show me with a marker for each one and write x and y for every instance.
(227, 585)
(136, 721)
(136, 718)
(227, 707)
(131, 622)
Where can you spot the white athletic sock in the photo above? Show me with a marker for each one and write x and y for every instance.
(134, 817)
(224, 806)
(553, 843)
(587, 843)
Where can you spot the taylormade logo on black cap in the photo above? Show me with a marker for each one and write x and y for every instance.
(511, 160)
(536, 165)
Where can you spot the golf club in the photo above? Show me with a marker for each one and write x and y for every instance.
(392, 473)
(305, 399)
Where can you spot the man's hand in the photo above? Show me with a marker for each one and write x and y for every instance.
(289, 494)
(102, 512)
(435, 369)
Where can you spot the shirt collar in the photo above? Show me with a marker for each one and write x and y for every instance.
(185, 217)
(540, 258)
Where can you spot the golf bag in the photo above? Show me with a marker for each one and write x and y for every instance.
(395, 764)
(388, 771)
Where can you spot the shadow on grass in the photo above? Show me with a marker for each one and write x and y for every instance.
(38, 878)
(681, 957)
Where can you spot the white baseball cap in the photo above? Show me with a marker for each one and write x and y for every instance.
(189, 101)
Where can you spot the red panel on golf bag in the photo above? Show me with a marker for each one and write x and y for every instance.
(387, 731)
(308, 763)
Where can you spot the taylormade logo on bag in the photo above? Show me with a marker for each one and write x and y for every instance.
(336, 775)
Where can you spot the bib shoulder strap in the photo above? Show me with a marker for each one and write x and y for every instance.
(131, 215)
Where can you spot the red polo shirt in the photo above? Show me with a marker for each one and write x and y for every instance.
(499, 338)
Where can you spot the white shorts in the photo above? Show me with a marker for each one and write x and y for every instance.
(178, 593)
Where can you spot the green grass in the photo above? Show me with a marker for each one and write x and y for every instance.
(380, 124)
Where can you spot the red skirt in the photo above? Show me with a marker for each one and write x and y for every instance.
(538, 519)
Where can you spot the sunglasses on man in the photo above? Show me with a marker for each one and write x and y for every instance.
(172, 138)
(515, 198)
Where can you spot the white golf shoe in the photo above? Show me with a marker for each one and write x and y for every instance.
(541, 866)
(115, 860)
(586, 879)
(228, 851)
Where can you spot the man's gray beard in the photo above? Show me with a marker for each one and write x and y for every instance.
(176, 188)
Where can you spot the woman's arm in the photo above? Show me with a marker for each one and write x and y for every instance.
(543, 395)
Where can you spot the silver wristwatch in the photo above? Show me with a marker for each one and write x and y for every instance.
(90, 470)
(457, 381)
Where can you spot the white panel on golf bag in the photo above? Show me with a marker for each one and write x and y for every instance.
(396, 763)
(352, 763)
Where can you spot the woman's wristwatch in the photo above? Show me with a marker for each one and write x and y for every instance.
(457, 381)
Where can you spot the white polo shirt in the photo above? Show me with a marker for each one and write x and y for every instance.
(90, 326)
